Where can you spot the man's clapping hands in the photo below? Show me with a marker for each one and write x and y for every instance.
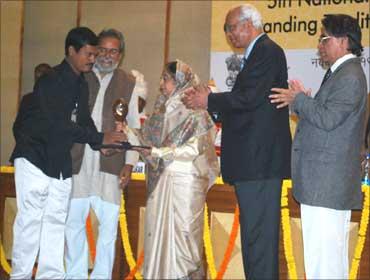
(196, 97)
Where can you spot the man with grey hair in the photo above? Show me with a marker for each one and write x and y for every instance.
(256, 140)
(97, 178)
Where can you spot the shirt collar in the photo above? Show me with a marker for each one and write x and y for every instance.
(339, 61)
(248, 50)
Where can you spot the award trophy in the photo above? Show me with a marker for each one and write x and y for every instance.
(120, 111)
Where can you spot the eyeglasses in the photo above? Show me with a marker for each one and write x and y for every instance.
(105, 51)
(323, 39)
(231, 27)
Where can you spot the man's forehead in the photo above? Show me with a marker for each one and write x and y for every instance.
(89, 48)
(232, 15)
(109, 41)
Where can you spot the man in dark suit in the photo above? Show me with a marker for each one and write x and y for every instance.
(327, 145)
(256, 140)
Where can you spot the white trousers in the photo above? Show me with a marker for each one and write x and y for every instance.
(76, 241)
(325, 241)
(42, 204)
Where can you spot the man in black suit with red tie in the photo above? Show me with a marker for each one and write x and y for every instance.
(256, 140)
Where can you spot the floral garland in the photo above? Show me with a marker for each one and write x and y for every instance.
(6, 169)
(125, 239)
(229, 248)
(361, 233)
(140, 261)
(288, 248)
(4, 263)
(208, 245)
(134, 267)
(287, 237)
(287, 234)
(230, 245)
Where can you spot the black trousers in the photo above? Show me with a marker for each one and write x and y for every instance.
(259, 204)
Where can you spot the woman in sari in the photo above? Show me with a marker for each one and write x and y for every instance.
(181, 166)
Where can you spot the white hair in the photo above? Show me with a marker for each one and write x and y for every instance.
(249, 12)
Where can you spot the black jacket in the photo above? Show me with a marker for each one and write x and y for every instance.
(256, 139)
(44, 130)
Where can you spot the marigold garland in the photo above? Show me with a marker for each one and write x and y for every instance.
(208, 245)
(288, 248)
(4, 263)
(230, 245)
(125, 239)
(140, 261)
(361, 233)
(229, 248)
(6, 169)
(287, 235)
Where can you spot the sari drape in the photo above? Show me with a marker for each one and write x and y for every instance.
(181, 168)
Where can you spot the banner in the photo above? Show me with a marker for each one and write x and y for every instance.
(296, 26)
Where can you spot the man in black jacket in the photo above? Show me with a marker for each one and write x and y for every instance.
(56, 115)
(256, 140)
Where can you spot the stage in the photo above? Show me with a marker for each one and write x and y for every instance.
(221, 204)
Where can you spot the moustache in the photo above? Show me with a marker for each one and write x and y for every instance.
(105, 60)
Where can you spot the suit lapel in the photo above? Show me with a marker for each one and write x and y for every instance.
(331, 79)
(248, 63)
(259, 41)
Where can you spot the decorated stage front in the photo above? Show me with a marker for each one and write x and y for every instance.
(222, 250)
